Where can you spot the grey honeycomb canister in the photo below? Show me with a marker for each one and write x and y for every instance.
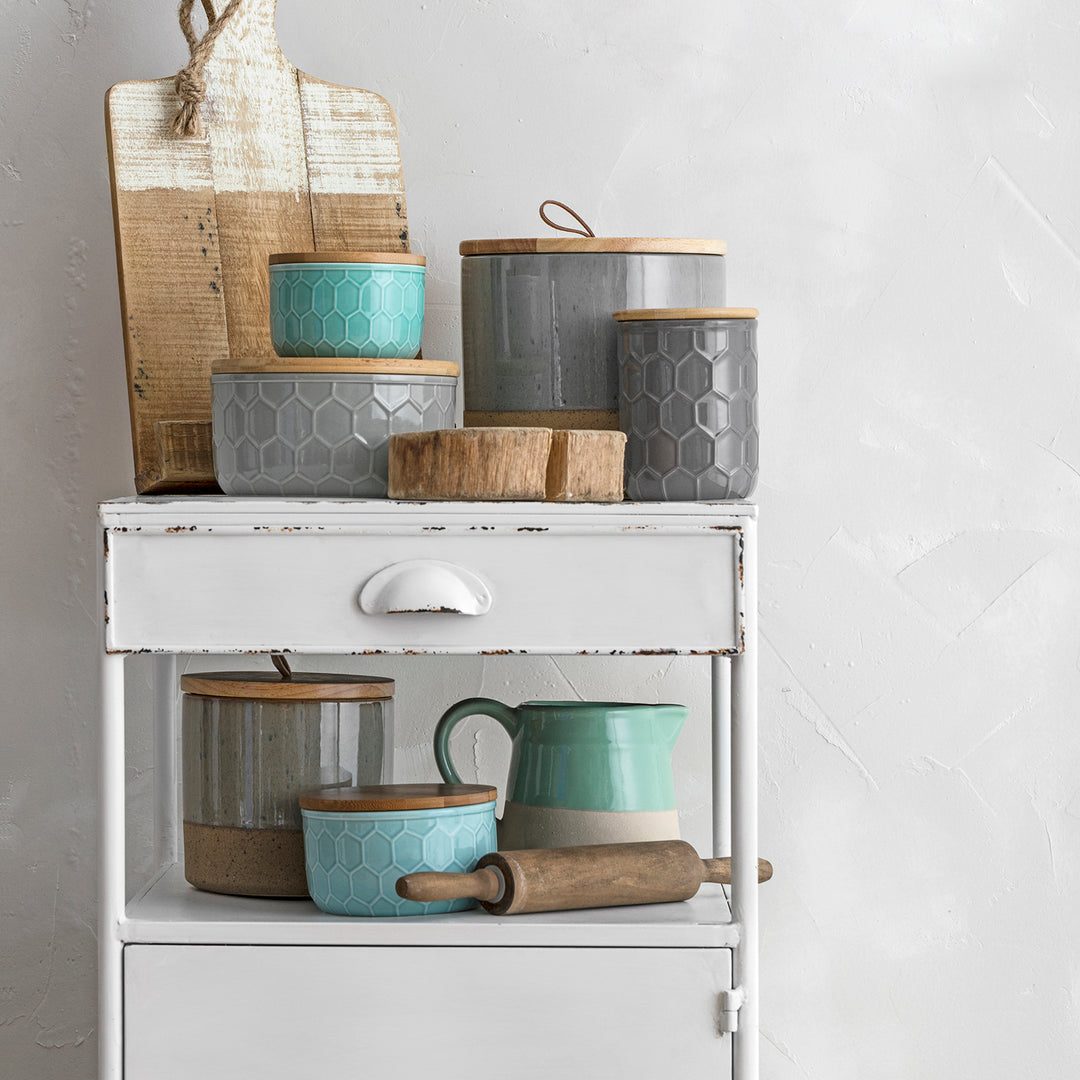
(688, 402)
(539, 346)
(320, 433)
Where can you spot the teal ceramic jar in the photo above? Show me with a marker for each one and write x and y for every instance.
(357, 303)
(359, 841)
(581, 772)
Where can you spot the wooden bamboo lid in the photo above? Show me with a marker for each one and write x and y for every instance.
(397, 797)
(647, 314)
(551, 244)
(300, 686)
(333, 365)
(347, 257)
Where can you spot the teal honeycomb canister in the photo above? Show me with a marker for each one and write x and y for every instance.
(359, 841)
(358, 303)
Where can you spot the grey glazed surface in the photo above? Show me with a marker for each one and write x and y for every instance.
(294, 434)
(688, 405)
(537, 331)
(246, 762)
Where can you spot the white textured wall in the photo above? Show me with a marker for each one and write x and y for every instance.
(897, 183)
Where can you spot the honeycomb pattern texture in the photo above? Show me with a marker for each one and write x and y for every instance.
(346, 309)
(291, 434)
(353, 861)
(688, 405)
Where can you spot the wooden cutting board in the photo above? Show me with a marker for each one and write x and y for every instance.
(284, 162)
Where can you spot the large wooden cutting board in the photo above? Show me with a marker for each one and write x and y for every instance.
(285, 162)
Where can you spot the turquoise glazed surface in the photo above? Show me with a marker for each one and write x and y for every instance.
(580, 755)
(353, 860)
(346, 309)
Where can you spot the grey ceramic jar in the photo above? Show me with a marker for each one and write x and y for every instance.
(320, 433)
(539, 346)
(688, 403)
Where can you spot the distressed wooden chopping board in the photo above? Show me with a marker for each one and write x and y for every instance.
(284, 162)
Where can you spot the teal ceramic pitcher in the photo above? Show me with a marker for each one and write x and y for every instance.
(581, 772)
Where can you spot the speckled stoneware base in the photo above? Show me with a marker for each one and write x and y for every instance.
(354, 859)
(688, 405)
(301, 434)
(537, 330)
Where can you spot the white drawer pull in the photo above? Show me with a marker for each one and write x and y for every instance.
(424, 586)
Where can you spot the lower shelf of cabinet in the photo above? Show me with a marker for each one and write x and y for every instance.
(221, 1012)
(171, 912)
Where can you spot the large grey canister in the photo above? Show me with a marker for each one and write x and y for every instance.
(539, 345)
(688, 402)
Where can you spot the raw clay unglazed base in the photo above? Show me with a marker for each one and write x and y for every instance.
(549, 827)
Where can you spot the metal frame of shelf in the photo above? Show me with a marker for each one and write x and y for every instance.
(167, 911)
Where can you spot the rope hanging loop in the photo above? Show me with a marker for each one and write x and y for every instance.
(190, 84)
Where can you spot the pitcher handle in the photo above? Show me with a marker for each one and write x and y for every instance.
(475, 706)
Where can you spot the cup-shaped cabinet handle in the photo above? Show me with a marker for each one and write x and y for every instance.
(425, 586)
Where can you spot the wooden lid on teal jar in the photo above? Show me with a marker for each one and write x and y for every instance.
(400, 258)
(686, 314)
(378, 797)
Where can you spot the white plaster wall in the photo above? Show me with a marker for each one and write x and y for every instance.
(897, 183)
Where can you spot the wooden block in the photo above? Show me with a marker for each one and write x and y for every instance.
(586, 466)
(470, 463)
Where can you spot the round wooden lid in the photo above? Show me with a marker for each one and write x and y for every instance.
(396, 797)
(551, 244)
(302, 686)
(400, 257)
(647, 314)
(332, 365)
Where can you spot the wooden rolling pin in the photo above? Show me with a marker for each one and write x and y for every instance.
(558, 879)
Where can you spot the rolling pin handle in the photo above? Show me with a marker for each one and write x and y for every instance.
(718, 871)
(427, 886)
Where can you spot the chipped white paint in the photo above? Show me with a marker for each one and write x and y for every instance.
(872, 167)
(252, 108)
(343, 155)
(148, 155)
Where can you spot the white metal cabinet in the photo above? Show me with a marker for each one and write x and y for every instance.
(221, 575)
(455, 1012)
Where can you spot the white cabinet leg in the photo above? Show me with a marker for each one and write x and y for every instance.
(111, 894)
(744, 828)
(165, 786)
(721, 756)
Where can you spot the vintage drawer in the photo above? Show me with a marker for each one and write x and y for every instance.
(278, 1013)
(602, 588)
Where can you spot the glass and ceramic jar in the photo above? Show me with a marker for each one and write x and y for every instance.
(252, 741)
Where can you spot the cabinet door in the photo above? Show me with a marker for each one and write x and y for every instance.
(280, 1013)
